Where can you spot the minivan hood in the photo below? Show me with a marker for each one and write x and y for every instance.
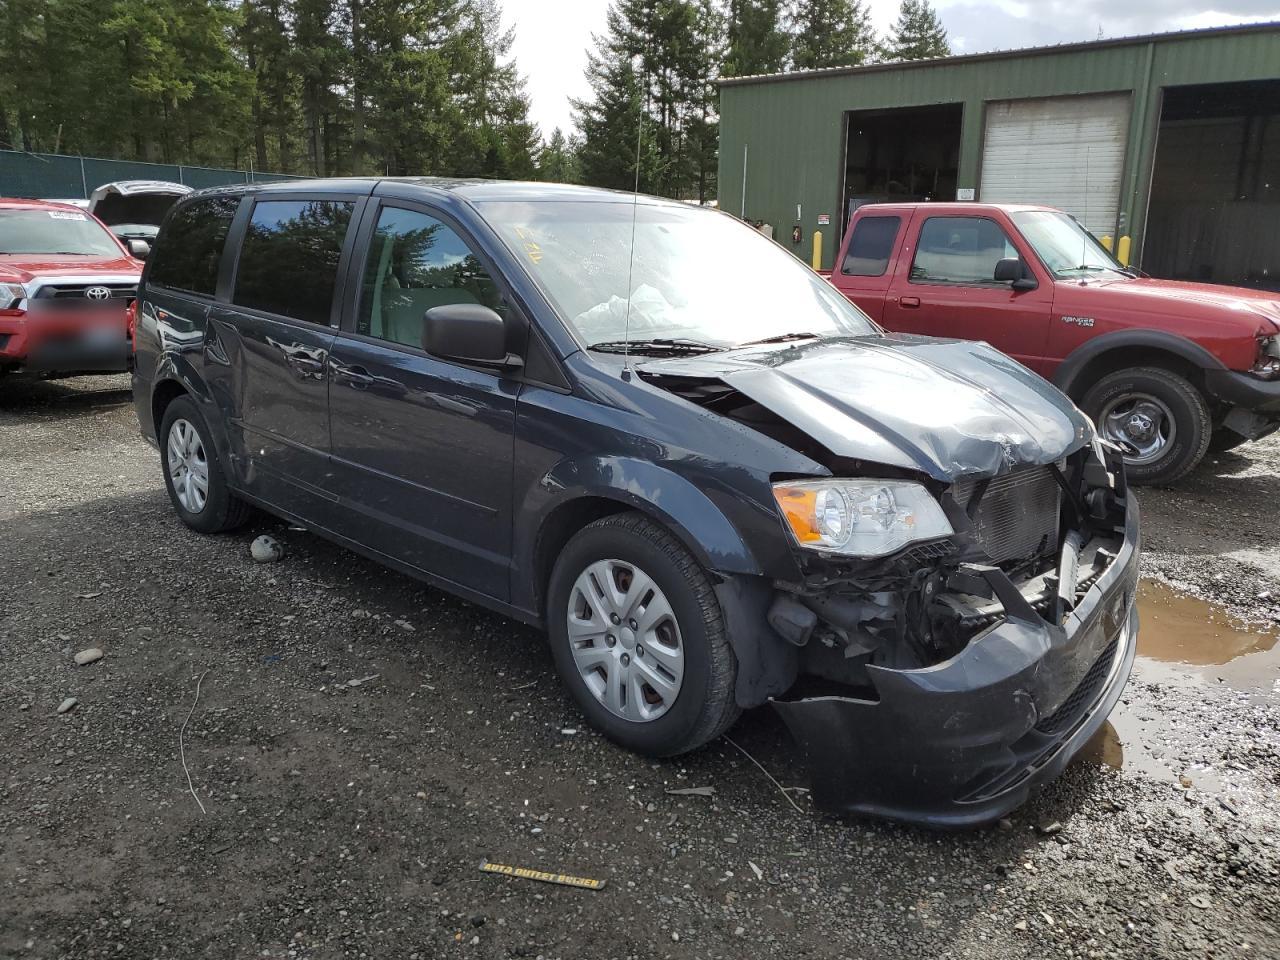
(947, 408)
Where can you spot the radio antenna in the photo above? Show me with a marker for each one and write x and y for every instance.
(635, 203)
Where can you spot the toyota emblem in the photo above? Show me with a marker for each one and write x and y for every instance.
(98, 293)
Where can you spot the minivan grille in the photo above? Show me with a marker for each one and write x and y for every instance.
(1017, 517)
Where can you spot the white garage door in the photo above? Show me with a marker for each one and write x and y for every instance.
(1067, 152)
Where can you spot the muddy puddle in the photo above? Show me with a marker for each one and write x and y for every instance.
(1185, 641)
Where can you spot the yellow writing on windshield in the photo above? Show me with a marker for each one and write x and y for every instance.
(531, 248)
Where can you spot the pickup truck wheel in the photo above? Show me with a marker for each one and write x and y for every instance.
(639, 639)
(193, 475)
(1159, 418)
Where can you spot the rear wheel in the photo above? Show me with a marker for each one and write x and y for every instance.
(1157, 416)
(639, 639)
(193, 475)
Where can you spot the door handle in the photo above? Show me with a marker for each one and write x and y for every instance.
(909, 303)
(354, 376)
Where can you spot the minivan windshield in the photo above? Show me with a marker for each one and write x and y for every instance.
(54, 233)
(699, 279)
(1066, 248)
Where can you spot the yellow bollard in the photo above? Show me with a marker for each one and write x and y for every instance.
(1107, 240)
(817, 249)
(1122, 250)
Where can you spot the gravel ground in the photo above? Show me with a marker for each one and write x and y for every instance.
(348, 819)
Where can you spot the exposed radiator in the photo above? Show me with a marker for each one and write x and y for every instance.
(1018, 515)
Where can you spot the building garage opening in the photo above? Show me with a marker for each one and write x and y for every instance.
(902, 155)
(1215, 189)
(1065, 152)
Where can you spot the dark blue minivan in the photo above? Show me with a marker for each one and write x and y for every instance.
(649, 430)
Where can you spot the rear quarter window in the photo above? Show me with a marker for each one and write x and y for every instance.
(189, 246)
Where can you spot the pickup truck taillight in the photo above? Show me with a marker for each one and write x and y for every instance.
(131, 323)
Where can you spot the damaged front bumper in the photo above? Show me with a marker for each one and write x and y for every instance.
(965, 741)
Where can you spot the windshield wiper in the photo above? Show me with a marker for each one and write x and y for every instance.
(781, 338)
(658, 345)
(1091, 268)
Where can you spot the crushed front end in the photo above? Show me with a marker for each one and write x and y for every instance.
(940, 685)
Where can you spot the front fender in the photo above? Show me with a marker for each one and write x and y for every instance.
(1066, 377)
(648, 487)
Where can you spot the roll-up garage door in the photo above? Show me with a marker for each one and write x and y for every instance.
(1066, 152)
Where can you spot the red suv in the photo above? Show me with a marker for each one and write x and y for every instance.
(1167, 370)
(65, 285)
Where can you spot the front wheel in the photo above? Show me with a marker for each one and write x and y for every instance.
(639, 639)
(1157, 416)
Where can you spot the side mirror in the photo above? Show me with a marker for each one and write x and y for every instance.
(139, 249)
(468, 333)
(1013, 271)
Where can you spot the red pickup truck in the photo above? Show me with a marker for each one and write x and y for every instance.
(65, 285)
(1166, 369)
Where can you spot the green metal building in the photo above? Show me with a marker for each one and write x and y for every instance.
(1171, 140)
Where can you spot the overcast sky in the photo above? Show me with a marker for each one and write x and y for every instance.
(552, 37)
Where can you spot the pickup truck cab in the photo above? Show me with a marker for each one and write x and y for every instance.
(1165, 369)
(65, 285)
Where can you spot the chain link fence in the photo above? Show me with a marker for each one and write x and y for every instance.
(53, 176)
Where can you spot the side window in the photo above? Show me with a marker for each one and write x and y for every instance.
(289, 257)
(960, 250)
(416, 262)
(871, 246)
(189, 248)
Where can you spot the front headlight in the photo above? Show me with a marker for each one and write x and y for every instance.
(1267, 366)
(11, 294)
(859, 518)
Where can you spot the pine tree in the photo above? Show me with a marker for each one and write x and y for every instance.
(614, 145)
(831, 33)
(757, 41)
(659, 57)
(405, 114)
(321, 62)
(558, 159)
(328, 87)
(264, 39)
(499, 140)
(918, 34)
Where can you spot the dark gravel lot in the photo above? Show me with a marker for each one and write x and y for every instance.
(349, 821)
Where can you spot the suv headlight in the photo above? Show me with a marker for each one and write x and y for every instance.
(11, 294)
(859, 518)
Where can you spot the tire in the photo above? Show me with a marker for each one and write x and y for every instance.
(659, 725)
(1152, 394)
(220, 509)
(1224, 440)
